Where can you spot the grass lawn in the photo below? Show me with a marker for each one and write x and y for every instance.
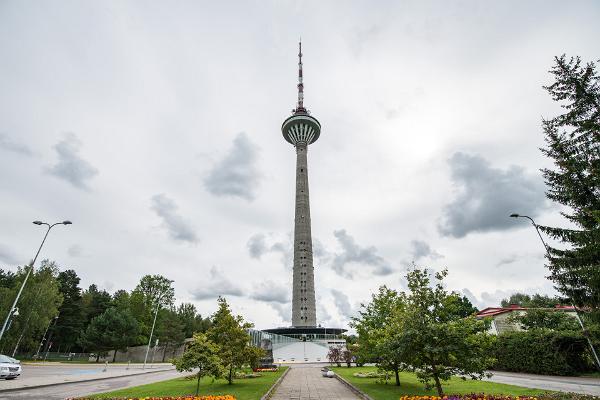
(242, 389)
(410, 385)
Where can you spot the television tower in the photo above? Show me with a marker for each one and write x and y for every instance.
(301, 130)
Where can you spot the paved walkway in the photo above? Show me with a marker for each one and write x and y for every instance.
(561, 383)
(309, 384)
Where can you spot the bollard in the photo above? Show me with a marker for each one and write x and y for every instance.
(105, 366)
(128, 362)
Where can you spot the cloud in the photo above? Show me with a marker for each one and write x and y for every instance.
(75, 250)
(487, 196)
(421, 249)
(217, 285)
(507, 260)
(9, 145)
(269, 291)
(257, 246)
(342, 303)
(7, 256)
(284, 310)
(236, 175)
(70, 166)
(353, 253)
(177, 227)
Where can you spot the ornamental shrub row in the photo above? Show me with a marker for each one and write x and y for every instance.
(542, 352)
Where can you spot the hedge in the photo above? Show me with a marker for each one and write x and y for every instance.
(542, 352)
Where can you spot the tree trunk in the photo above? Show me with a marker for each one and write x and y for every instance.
(397, 373)
(164, 353)
(98, 357)
(230, 379)
(438, 385)
(115, 355)
(198, 384)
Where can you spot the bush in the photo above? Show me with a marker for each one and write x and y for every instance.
(542, 352)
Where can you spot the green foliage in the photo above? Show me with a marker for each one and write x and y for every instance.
(542, 352)
(203, 355)
(191, 320)
(112, 330)
(433, 339)
(573, 144)
(38, 305)
(373, 344)
(543, 319)
(229, 332)
(70, 322)
(534, 301)
(170, 331)
(94, 302)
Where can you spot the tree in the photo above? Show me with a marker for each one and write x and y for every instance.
(534, 301)
(543, 319)
(152, 291)
(460, 306)
(373, 341)
(573, 143)
(334, 355)
(38, 305)
(94, 302)
(112, 330)
(70, 322)
(230, 333)
(432, 339)
(192, 321)
(170, 331)
(201, 354)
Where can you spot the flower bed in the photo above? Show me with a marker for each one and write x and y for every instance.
(190, 397)
(481, 396)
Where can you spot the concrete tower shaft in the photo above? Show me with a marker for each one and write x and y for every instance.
(301, 129)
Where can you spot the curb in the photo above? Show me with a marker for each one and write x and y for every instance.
(82, 381)
(356, 390)
(275, 385)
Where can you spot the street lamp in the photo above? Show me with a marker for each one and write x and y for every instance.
(153, 323)
(14, 306)
(573, 305)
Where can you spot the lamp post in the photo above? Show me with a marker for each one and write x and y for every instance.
(153, 323)
(573, 305)
(14, 306)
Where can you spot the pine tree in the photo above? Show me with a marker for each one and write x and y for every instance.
(573, 142)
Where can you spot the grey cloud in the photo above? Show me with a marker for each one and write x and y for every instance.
(257, 245)
(353, 253)
(507, 260)
(10, 145)
(237, 174)
(342, 303)
(7, 255)
(217, 285)
(177, 227)
(284, 310)
(71, 167)
(75, 250)
(269, 291)
(488, 196)
(421, 249)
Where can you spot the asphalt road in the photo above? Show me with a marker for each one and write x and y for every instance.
(75, 389)
(559, 383)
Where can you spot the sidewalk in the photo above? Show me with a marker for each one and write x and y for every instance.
(45, 374)
(309, 384)
(573, 384)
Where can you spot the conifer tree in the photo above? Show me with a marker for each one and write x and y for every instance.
(573, 143)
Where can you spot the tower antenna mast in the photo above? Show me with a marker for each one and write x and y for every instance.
(300, 108)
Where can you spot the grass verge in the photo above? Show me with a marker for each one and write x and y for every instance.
(241, 389)
(409, 385)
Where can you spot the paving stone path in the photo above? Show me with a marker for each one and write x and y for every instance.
(309, 384)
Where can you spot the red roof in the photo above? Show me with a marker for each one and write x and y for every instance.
(493, 311)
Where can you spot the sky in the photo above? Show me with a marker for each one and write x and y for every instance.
(155, 128)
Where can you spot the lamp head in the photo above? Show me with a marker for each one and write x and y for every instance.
(38, 222)
(66, 222)
(514, 215)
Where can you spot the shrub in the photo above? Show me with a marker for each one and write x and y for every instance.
(542, 352)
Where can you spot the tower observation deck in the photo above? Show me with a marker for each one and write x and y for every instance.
(301, 130)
